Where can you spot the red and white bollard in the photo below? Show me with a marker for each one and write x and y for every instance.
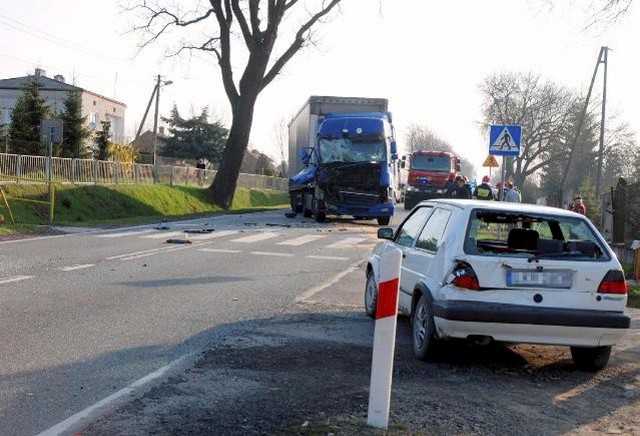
(384, 338)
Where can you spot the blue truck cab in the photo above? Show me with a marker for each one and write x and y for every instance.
(352, 169)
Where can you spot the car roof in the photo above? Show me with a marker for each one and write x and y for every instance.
(503, 206)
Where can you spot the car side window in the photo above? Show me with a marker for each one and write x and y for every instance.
(431, 235)
(412, 226)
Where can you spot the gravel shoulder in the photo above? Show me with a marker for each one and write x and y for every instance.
(306, 371)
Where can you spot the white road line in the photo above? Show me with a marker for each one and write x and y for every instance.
(346, 243)
(121, 256)
(122, 234)
(311, 256)
(295, 242)
(163, 235)
(219, 250)
(256, 238)
(36, 238)
(270, 253)
(76, 267)
(14, 279)
(91, 413)
(165, 250)
(212, 235)
(309, 293)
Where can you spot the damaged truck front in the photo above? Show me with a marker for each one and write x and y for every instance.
(352, 169)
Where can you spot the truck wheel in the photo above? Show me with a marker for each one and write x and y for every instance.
(408, 204)
(590, 359)
(384, 220)
(306, 212)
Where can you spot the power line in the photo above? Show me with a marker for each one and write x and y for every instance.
(54, 39)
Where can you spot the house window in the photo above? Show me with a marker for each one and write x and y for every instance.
(93, 120)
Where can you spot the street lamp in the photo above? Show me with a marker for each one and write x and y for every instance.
(159, 83)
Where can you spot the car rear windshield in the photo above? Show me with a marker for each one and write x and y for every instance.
(533, 236)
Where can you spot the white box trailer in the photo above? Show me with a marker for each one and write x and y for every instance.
(303, 127)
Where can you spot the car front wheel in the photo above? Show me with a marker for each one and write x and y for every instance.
(423, 327)
(590, 358)
(371, 295)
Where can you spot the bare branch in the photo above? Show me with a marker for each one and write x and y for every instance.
(244, 27)
(297, 43)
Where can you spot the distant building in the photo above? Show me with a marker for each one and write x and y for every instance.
(143, 144)
(94, 106)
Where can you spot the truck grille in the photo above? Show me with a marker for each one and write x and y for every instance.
(358, 199)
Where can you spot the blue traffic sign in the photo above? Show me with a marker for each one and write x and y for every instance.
(504, 140)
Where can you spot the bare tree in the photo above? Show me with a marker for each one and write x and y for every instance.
(608, 12)
(280, 140)
(258, 29)
(543, 109)
(420, 138)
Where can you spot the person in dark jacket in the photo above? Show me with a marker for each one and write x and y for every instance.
(483, 191)
(462, 189)
(450, 185)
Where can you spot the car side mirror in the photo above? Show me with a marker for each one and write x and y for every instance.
(385, 233)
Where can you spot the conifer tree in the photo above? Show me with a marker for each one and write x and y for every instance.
(103, 139)
(75, 133)
(29, 110)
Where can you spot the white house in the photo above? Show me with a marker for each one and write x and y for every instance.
(95, 107)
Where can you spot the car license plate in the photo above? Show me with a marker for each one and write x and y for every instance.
(559, 278)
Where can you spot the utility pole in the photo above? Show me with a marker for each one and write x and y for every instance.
(605, 51)
(567, 167)
(155, 133)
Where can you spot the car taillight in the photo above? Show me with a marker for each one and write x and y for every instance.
(613, 283)
(465, 277)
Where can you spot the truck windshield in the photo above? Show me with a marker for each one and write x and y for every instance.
(431, 163)
(347, 150)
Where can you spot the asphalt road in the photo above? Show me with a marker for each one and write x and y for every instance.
(85, 314)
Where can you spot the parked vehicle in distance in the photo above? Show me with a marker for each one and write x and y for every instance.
(349, 157)
(428, 172)
(507, 272)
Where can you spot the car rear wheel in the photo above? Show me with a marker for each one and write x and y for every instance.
(371, 295)
(592, 358)
(423, 328)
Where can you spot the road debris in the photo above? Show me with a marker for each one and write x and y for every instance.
(277, 225)
(198, 231)
(178, 241)
(161, 228)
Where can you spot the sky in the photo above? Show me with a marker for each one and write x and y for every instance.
(427, 58)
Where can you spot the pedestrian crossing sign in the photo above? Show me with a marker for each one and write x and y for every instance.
(504, 140)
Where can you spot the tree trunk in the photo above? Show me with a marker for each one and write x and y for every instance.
(224, 184)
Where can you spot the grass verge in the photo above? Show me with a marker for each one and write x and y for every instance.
(633, 296)
(123, 204)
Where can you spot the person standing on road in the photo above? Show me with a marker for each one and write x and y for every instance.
(578, 206)
(462, 188)
(450, 185)
(510, 194)
(483, 191)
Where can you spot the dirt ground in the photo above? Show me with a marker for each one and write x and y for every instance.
(307, 372)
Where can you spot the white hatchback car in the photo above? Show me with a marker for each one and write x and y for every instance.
(509, 272)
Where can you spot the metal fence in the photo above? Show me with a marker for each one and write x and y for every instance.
(21, 168)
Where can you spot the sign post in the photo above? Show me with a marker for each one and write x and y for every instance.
(504, 140)
(384, 338)
(50, 131)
